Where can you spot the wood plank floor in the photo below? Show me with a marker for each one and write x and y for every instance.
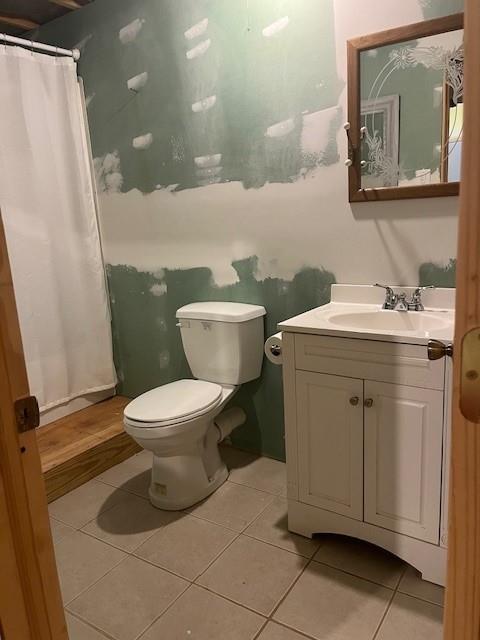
(79, 446)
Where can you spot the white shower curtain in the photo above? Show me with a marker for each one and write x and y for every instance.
(47, 207)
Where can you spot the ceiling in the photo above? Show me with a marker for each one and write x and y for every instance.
(20, 16)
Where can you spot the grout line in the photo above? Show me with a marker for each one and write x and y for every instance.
(145, 629)
(402, 576)
(67, 604)
(128, 554)
(377, 631)
(276, 546)
(285, 595)
(231, 600)
(355, 575)
(229, 528)
(90, 624)
(302, 634)
(261, 630)
(382, 619)
(249, 486)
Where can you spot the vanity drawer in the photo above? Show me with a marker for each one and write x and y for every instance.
(406, 364)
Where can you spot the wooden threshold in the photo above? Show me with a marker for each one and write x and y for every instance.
(80, 446)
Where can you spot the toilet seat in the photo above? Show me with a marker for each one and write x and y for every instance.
(173, 403)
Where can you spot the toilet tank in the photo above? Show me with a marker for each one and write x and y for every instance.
(223, 341)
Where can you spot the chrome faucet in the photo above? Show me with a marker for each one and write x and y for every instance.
(416, 303)
(398, 301)
(390, 296)
(393, 301)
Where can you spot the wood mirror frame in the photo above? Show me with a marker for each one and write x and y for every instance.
(354, 49)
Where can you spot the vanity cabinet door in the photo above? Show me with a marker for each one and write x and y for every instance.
(330, 442)
(403, 459)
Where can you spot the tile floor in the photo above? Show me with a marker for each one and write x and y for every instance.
(225, 570)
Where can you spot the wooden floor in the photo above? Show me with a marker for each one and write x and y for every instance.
(79, 446)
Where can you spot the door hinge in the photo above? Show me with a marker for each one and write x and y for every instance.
(27, 413)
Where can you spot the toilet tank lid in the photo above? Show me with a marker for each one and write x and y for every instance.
(221, 311)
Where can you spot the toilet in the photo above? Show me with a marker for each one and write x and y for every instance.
(183, 422)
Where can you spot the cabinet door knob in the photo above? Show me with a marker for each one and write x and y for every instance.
(354, 400)
(368, 403)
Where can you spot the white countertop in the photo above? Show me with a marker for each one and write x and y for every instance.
(363, 303)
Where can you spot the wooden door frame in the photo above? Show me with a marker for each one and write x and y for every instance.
(30, 601)
(462, 611)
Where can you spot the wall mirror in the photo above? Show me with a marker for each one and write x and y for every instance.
(405, 111)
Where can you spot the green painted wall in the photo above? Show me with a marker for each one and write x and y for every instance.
(438, 274)
(148, 348)
(238, 69)
(263, 217)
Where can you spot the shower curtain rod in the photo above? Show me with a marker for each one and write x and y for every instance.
(31, 44)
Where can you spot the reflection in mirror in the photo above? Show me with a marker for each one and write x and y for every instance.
(412, 112)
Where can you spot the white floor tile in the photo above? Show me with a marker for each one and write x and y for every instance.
(85, 503)
(412, 619)
(253, 573)
(186, 546)
(128, 599)
(81, 561)
(331, 605)
(201, 615)
(233, 506)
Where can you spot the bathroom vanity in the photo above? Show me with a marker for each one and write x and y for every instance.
(367, 416)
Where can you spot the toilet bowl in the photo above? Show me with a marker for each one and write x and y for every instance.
(182, 422)
(187, 465)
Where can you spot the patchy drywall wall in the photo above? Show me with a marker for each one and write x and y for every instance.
(143, 308)
(217, 134)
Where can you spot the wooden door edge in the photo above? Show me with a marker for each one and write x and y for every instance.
(462, 609)
(25, 498)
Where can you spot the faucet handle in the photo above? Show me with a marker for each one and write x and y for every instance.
(390, 296)
(416, 302)
(419, 290)
(388, 290)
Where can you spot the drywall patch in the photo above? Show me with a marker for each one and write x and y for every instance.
(196, 30)
(437, 274)
(129, 32)
(142, 142)
(319, 138)
(276, 27)
(108, 173)
(280, 129)
(204, 105)
(148, 347)
(158, 289)
(137, 82)
(198, 50)
(203, 162)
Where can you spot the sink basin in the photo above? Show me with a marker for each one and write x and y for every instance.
(395, 321)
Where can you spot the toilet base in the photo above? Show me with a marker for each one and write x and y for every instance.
(179, 482)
